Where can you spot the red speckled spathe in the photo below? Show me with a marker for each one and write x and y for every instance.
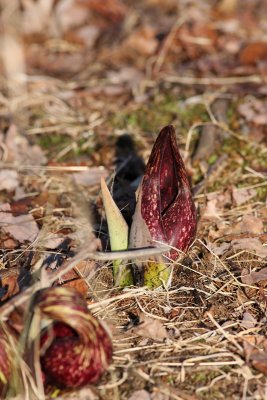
(68, 362)
(75, 349)
(167, 206)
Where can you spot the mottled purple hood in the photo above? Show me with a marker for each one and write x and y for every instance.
(165, 201)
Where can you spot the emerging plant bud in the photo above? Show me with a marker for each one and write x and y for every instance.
(75, 349)
(165, 210)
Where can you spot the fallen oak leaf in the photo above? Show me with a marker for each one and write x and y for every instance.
(22, 227)
(211, 211)
(9, 285)
(78, 284)
(250, 244)
(8, 180)
(251, 224)
(242, 195)
(150, 328)
(73, 280)
(113, 10)
(259, 361)
(253, 53)
(219, 250)
(140, 395)
(142, 41)
(90, 177)
(19, 149)
(254, 277)
(248, 320)
(252, 343)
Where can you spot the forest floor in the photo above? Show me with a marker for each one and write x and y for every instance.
(75, 77)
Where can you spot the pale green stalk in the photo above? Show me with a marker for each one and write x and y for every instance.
(118, 234)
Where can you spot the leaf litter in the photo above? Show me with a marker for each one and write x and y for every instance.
(94, 73)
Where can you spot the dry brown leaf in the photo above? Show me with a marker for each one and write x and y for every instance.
(150, 328)
(114, 10)
(79, 284)
(8, 283)
(250, 244)
(22, 228)
(59, 62)
(51, 241)
(254, 277)
(83, 393)
(211, 211)
(90, 177)
(166, 392)
(253, 344)
(254, 111)
(250, 224)
(8, 179)
(259, 361)
(227, 6)
(248, 320)
(10, 244)
(253, 53)
(140, 395)
(70, 14)
(142, 41)
(219, 250)
(36, 15)
(19, 150)
(126, 74)
(86, 35)
(159, 396)
(86, 268)
(243, 195)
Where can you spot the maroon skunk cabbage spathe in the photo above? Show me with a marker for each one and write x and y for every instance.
(165, 210)
(75, 349)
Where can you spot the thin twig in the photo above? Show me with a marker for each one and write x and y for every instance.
(228, 80)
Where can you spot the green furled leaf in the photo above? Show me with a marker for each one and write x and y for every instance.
(118, 235)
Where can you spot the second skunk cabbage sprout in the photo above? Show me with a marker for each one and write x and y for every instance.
(74, 347)
(77, 349)
(165, 213)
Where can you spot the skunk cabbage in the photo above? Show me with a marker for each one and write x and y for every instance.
(75, 348)
(165, 210)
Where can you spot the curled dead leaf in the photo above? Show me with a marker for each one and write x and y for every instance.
(241, 196)
(248, 320)
(79, 284)
(90, 177)
(253, 52)
(8, 179)
(22, 227)
(250, 244)
(143, 41)
(150, 328)
(140, 395)
(254, 277)
(259, 361)
(9, 285)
